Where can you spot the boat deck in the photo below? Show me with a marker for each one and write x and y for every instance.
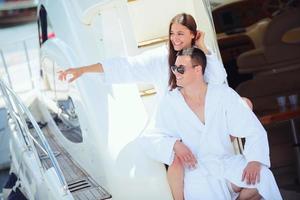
(80, 184)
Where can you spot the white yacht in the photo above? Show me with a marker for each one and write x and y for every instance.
(85, 144)
(89, 149)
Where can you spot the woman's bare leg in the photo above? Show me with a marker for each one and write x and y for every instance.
(249, 194)
(246, 193)
(175, 177)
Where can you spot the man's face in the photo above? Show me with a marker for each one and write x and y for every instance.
(189, 75)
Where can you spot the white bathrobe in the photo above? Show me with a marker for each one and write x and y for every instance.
(225, 114)
(152, 67)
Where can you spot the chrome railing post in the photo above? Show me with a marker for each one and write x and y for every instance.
(24, 123)
(9, 96)
(11, 109)
(28, 63)
(5, 67)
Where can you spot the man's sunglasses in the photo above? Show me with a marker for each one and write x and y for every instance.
(180, 69)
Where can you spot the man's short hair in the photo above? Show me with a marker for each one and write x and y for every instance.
(197, 56)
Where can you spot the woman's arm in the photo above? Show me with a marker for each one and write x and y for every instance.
(77, 72)
(146, 68)
(200, 42)
(215, 72)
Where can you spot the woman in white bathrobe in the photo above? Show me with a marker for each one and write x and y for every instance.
(202, 117)
(153, 67)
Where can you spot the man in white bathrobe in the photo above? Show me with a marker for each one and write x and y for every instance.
(194, 121)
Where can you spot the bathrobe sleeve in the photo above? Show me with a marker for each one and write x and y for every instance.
(152, 67)
(242, 122)
(147, 67)
(215, 72)
(159, 138)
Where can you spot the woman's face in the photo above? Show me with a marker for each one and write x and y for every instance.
(181, 37)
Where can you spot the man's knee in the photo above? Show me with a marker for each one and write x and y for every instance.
(248, 193)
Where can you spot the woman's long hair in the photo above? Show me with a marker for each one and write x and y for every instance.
(189, 22)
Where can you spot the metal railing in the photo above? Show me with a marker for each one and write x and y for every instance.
(4, 61)
(19, 112)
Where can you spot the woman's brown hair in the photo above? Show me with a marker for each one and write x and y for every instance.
(189, 22)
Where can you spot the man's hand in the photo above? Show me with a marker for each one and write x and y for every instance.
(74, 72)
(251, 173)
(185, 155)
